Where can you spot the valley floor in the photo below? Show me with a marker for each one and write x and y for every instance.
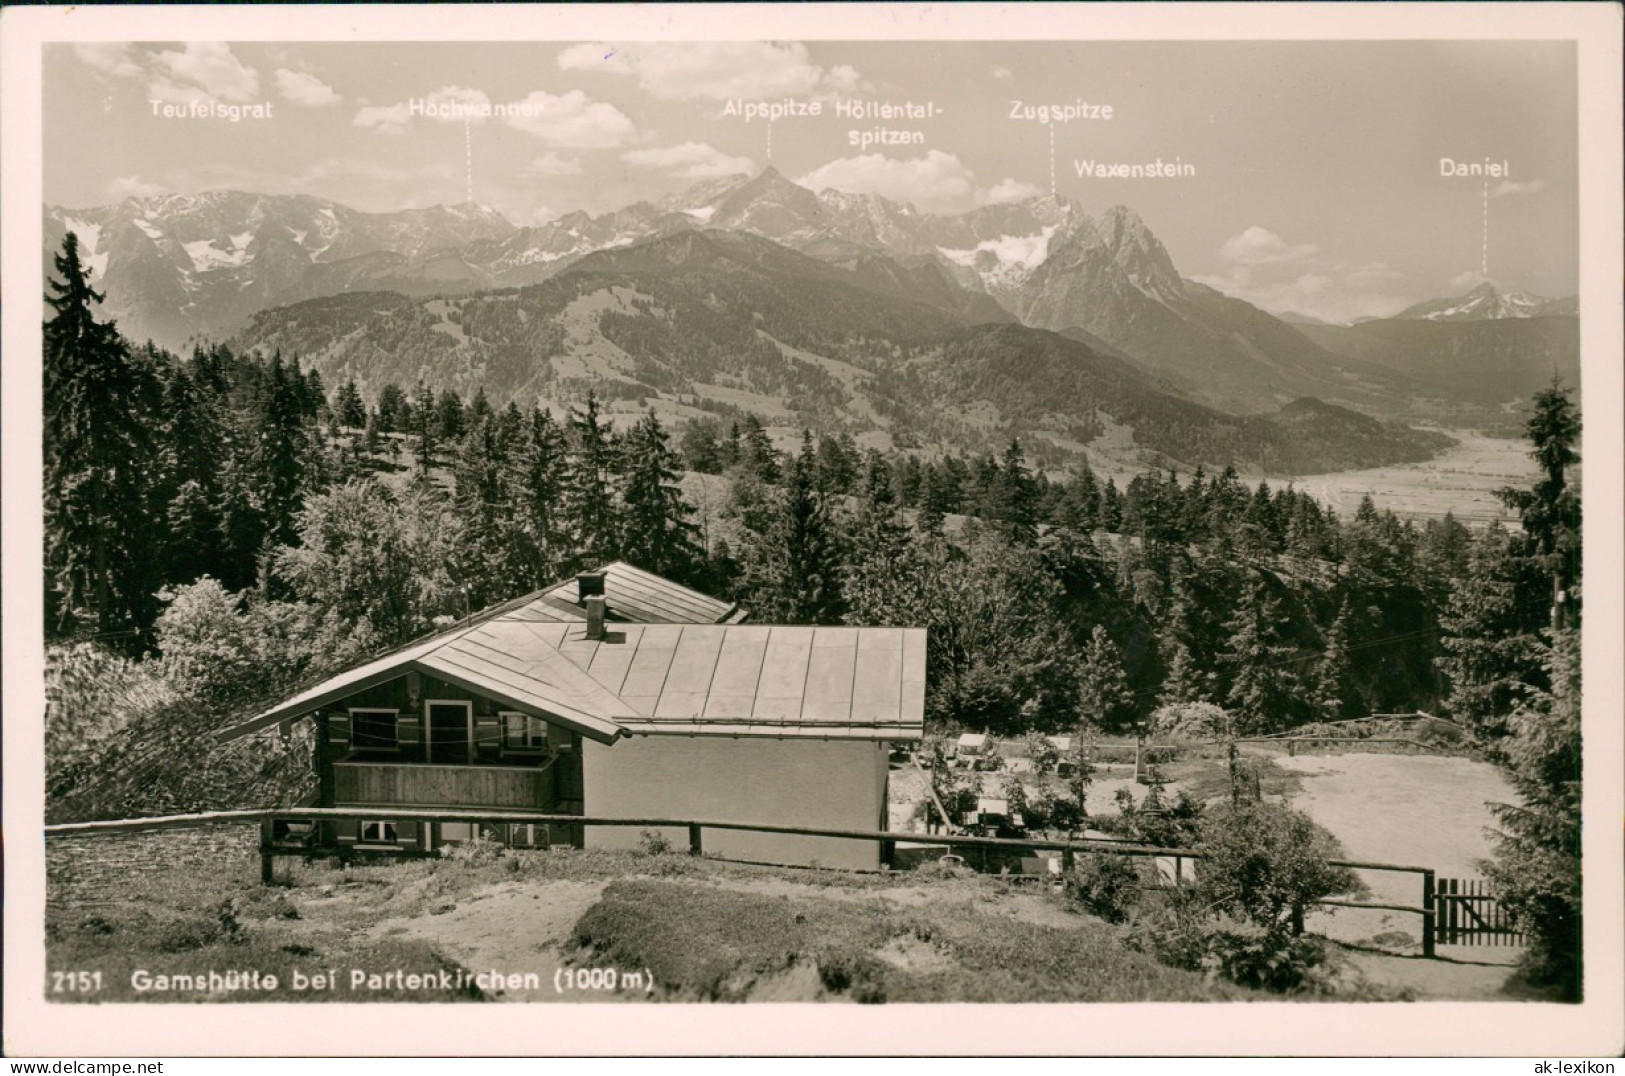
(1461, 480)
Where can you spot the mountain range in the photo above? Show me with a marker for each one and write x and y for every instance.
(179, 268)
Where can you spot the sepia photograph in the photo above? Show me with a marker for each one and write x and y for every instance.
(636, 508)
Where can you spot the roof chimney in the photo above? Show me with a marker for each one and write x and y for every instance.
(595, 617)
(589, 585)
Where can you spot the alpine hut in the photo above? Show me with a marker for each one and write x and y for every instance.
(619, 694)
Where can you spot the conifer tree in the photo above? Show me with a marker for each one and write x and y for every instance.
(879, 582)
(425, 425)
(486, 516)
(193, 436)
(656, 530)
(756, 452)
(540, 546)
(99, 558)
(1015, 497)
(1104, 698)
(1536, 868)
(281, 455)
(1262, 687)
(588, 493)
(792, 566)
(1550, 511)
(352, 412)
(1333, 694)
(449, 413)
(1489, 636)
(391, 409)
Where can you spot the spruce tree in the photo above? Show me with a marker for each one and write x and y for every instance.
(1333, 694)
(1489, 638)
(879, 581)
(1550, 511)
(1104, 698)
(792, 566)
(656, 530)
(539, 544)
(352, 412)
(99, 558)
(486, 514)
(589, 503)
(281, 454)
(193, 437)
(1263, 688)
(425, 424)
(449, 414)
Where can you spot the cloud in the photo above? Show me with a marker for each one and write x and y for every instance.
(551, 164)
(108, 57)
(715, 70)
(1279, 276)
(1003, 73)
(1009, 191)
(572, 121)
(385, 119)
(568, 121)
(691, 160)
(937, 182)
(305, 89)
(124, 187)
(1507, 186)
(1260, 246)
(205, 70)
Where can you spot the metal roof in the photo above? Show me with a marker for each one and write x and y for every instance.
(661, 678)
(640, 597)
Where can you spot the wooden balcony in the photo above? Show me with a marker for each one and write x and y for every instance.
(430, 784)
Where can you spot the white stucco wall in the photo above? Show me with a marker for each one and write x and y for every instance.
(838, 784)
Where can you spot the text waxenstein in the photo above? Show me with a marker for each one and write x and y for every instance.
(1157, 169)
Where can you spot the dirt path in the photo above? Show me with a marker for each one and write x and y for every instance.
(1418, 810)
(512, 927)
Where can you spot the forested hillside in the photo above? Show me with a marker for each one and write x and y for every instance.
(706, 316)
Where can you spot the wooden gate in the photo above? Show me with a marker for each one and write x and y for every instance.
(1469, 914)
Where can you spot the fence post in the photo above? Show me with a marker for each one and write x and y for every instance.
(1430, 916)
(695, 845)
(265, 850)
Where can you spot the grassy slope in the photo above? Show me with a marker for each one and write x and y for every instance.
(189, 902)
(708, 944)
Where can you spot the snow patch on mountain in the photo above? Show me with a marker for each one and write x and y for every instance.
(1006, 260)
(206, 256)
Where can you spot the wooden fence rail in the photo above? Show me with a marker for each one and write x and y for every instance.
(1069, 849)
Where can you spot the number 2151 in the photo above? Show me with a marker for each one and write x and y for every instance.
(76, 982)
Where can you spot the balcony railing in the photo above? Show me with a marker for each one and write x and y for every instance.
(360, 781)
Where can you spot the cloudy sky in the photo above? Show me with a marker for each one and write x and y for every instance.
(1317, 183)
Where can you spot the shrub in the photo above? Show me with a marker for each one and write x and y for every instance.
(1266, 958)
(858, 975)
(1107, 885)
(476, 852)
(652, 842)
(1173, 929)
(1154, 822)
(1190, 721)
(1266, 864)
